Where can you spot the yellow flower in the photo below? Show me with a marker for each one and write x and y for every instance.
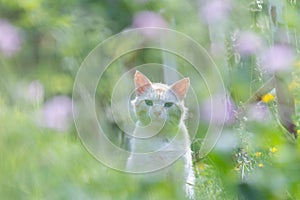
(273, 149)
(298, 132)
(236, 169)
(297, 63)
(294, 85)
(267, 98)
(258, 154)
(260, 165)
(200, 166)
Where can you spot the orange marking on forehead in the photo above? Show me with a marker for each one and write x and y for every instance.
(160, 92)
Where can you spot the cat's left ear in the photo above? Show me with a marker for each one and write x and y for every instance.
(142, 83)
(180, 88)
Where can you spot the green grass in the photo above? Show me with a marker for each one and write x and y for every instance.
(39, 163)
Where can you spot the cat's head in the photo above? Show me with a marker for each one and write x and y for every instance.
(159, 102)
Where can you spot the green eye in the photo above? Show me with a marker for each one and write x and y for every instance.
(168, 104)
(149, 102)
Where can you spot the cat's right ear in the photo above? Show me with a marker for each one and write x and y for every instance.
(142, 83)
(180, 88)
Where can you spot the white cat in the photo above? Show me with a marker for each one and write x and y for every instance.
(160, 136)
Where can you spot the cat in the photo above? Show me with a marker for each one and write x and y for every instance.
(160, 136)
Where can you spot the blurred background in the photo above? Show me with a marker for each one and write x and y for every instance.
(254, 43)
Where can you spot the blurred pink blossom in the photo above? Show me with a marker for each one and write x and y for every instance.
(35, 91)
(248, 43)
(258, 112)
(218, 110)
(9, 38)
(278, 58)
(214, 11)
(57, 113)
(146, 19)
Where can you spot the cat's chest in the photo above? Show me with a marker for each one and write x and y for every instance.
(150, 139)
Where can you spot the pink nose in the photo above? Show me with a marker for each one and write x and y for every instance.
(157, 113)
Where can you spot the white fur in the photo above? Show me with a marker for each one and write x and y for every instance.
(157, 147)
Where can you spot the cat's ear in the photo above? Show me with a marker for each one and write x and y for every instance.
(180, 88)
(142, 83)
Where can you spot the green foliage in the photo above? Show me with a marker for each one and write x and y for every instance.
(38, 162)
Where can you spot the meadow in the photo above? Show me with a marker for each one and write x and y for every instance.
(249, 48)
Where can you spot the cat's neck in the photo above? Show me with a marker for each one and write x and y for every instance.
(149, 139)
(158, 129)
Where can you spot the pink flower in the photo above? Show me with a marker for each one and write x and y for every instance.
(248, 43)
(9, 39)
(258, 112)
(57, 113)
(278, 58)
(146, 19)
(218, 110)
(214, 11)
